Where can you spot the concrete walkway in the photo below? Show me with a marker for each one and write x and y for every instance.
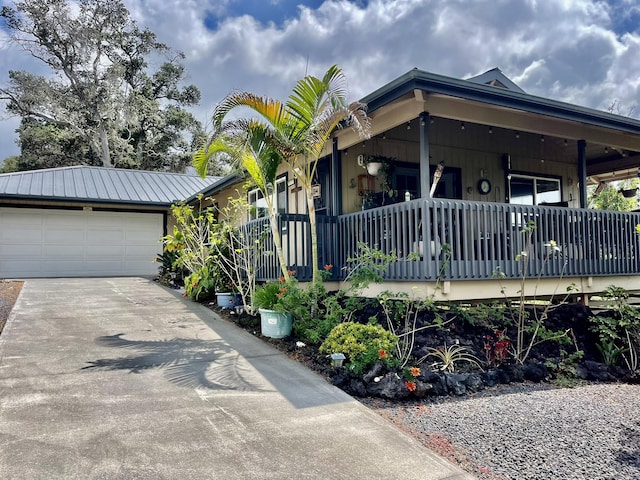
(119, 378)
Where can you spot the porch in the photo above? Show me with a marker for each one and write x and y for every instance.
(457, 240)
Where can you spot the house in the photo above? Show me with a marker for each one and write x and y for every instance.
(87, 221)
(481, 180)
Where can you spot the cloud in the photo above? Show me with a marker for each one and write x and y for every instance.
(581, 51)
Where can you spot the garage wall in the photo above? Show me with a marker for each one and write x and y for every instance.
(78, 243)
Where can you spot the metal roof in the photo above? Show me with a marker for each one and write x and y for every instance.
(502, 97)
(102, 185)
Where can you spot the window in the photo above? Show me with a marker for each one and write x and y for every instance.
(529, 190)
(407, 179)
(259, 204)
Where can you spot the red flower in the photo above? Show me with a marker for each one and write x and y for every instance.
(415, 371)
(410, 385)
(281, 279)
(195, 284)
(328, 267)
(382, 354)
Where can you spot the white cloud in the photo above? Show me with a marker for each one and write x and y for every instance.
(563, 49)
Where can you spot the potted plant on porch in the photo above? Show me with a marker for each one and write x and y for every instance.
(277, 303)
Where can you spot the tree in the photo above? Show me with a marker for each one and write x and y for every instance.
(253, 148)
(302, 126)
(101, 104)
(611, 198)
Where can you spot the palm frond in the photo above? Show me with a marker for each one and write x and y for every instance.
(272, 110)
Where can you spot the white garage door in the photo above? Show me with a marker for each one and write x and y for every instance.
(73, 243)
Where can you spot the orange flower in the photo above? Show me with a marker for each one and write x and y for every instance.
(382, 354)
(328, 267)
(292, 272)
(415, 371)
(410, 385)
(281, 279)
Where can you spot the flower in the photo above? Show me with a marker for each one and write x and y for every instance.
(382, 354)
(300, 344)
(410, 385)
(328, 267)
(415, 371)
(638, 228)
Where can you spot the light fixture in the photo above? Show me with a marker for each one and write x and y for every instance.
(461, 125)
(422, 123)
(606, 149)
(409, 125)
(565, 142)
(542, 138)
(384, 136)
(490, 129)
(517, 134)
(337, 359)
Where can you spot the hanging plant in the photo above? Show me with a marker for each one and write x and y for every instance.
(385, 172)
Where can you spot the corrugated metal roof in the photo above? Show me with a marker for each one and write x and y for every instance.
(100, 184)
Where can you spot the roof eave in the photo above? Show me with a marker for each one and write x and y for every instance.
(221, 184)
(438, 84)
(92, 201)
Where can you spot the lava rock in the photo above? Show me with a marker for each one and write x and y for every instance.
(376, 371)
(474, 383)
(357, 388)
(437, 382)
(456, 383)
(591, 370)
(390, 386)
(493, 377)
(341, 379)
(512, 373)
(423, 389)
(534, 372)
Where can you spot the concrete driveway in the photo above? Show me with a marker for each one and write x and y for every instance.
(119, 378)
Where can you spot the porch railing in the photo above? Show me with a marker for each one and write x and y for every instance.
(460, 240)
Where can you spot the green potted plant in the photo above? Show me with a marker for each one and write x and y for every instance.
(227, 295)
(277, 302)
(383, 168)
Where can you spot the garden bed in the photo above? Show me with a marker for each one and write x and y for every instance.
(549, 361)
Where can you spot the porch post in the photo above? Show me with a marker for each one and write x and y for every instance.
(336, 180)
(582, 172)
(425, 182)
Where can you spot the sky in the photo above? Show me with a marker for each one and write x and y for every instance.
(585, 52)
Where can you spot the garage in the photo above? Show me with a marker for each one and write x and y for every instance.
(72, 243)
(87, 221)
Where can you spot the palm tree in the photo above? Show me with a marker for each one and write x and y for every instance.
(251, 146)
(301, 127)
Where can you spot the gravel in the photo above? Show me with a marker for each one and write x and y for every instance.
(531, 431)
(9, 291)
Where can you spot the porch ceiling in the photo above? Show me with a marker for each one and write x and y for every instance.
(607, 150)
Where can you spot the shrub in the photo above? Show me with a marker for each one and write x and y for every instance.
(362, 344)
(200, 285)
(619, 332)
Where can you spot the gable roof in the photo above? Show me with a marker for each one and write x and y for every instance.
(102, 185)
(501, 97)
(495, 78)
